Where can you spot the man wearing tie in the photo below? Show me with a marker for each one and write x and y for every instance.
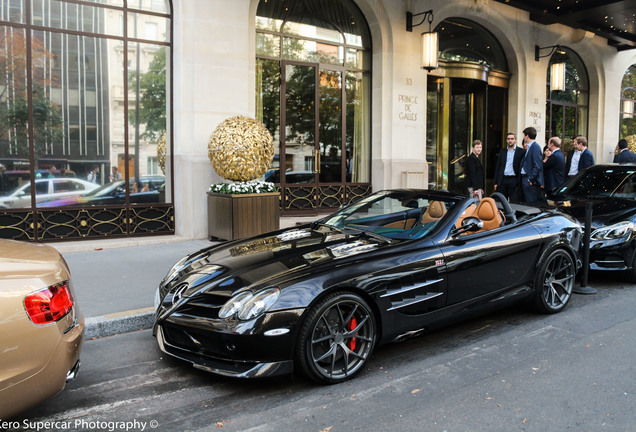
(532, 168)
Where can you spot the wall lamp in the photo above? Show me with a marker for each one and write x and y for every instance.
(557, 70)
(430, 39)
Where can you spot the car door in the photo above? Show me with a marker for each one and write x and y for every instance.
(489, 262)
(23, 198)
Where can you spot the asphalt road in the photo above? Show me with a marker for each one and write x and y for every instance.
(509, 371)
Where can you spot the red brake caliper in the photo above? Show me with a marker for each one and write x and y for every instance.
(352, 325)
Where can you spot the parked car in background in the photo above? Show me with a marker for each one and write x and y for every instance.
(41, 326)
(611, 188)
(147, 190)
(46, 189)
(291, 177)
(319, 298)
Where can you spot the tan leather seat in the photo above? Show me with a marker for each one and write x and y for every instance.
(488, 212)
(434, 212)
(470, 210)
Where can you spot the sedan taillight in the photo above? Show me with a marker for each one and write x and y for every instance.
(49, 304)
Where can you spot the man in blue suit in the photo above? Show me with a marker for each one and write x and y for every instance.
(532, 168)
(553, 165)
(624, 155)
(579, 158)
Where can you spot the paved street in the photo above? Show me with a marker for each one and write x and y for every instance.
(510, 371)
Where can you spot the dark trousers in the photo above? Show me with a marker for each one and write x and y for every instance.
(531, 193)
(509, 188)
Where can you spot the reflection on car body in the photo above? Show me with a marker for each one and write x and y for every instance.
(299, 177)
(611, 188)
(41, 327)
(46, 189)
(148, 191)
(320, 297)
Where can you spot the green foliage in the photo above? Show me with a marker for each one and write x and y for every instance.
(152, 98)
(47, 123)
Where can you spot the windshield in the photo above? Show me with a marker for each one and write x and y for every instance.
(396, 215)
(609, 182)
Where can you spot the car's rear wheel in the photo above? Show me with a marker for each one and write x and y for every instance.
(554, 281)
(336, 338)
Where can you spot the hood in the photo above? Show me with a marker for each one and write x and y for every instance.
(272, 258)
(605, 211)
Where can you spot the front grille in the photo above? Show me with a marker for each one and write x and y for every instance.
(204, 305)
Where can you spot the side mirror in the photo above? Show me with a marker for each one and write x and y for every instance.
(469, 224)
(472, 223)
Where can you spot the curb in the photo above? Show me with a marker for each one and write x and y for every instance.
(123, 322)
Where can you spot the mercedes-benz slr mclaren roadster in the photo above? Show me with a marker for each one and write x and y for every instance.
(319, 298)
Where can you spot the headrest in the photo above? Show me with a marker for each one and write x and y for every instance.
(436, 209)
(487, 209)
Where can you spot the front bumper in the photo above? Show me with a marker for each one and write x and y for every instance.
(243, 349)
(235, 369)
(612, 254)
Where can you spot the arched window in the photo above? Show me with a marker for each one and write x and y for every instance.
(628, 106)
(567, 110)
(464, 40)
(313, 82)
(84, 91)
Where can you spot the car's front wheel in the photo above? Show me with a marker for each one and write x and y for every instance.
(554, 281)
(336, 338)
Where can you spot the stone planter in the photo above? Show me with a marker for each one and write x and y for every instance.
(232, 217)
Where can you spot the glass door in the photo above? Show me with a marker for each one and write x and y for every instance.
(467, 123)
(300, 158)
(461, 110)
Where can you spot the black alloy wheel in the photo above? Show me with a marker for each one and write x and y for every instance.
(554, 281)
(336, 338)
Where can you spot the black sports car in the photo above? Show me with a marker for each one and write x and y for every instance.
(611, 188)
(320, 297)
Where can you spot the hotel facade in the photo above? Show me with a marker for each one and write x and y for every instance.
(140, 85)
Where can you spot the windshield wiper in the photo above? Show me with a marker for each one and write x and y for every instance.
(364, 233)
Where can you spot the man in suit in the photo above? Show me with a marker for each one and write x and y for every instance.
(475, 180)
(579, 158)
(553, 165)
(508, 169)
(624, 155)
(532, 168)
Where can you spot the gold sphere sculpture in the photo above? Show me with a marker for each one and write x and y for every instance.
(631, 143)
(161, 152)
(241, 149)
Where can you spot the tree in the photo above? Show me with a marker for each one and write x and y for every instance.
(14, 102)
(152, 98)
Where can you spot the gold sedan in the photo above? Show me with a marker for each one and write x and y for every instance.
(41, 327)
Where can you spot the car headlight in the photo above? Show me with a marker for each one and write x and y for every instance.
(247, 305)
(619, 230)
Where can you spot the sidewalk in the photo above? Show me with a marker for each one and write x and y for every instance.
(115, 280)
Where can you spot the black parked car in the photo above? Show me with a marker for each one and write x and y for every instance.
(320, 297)
(612, 190)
